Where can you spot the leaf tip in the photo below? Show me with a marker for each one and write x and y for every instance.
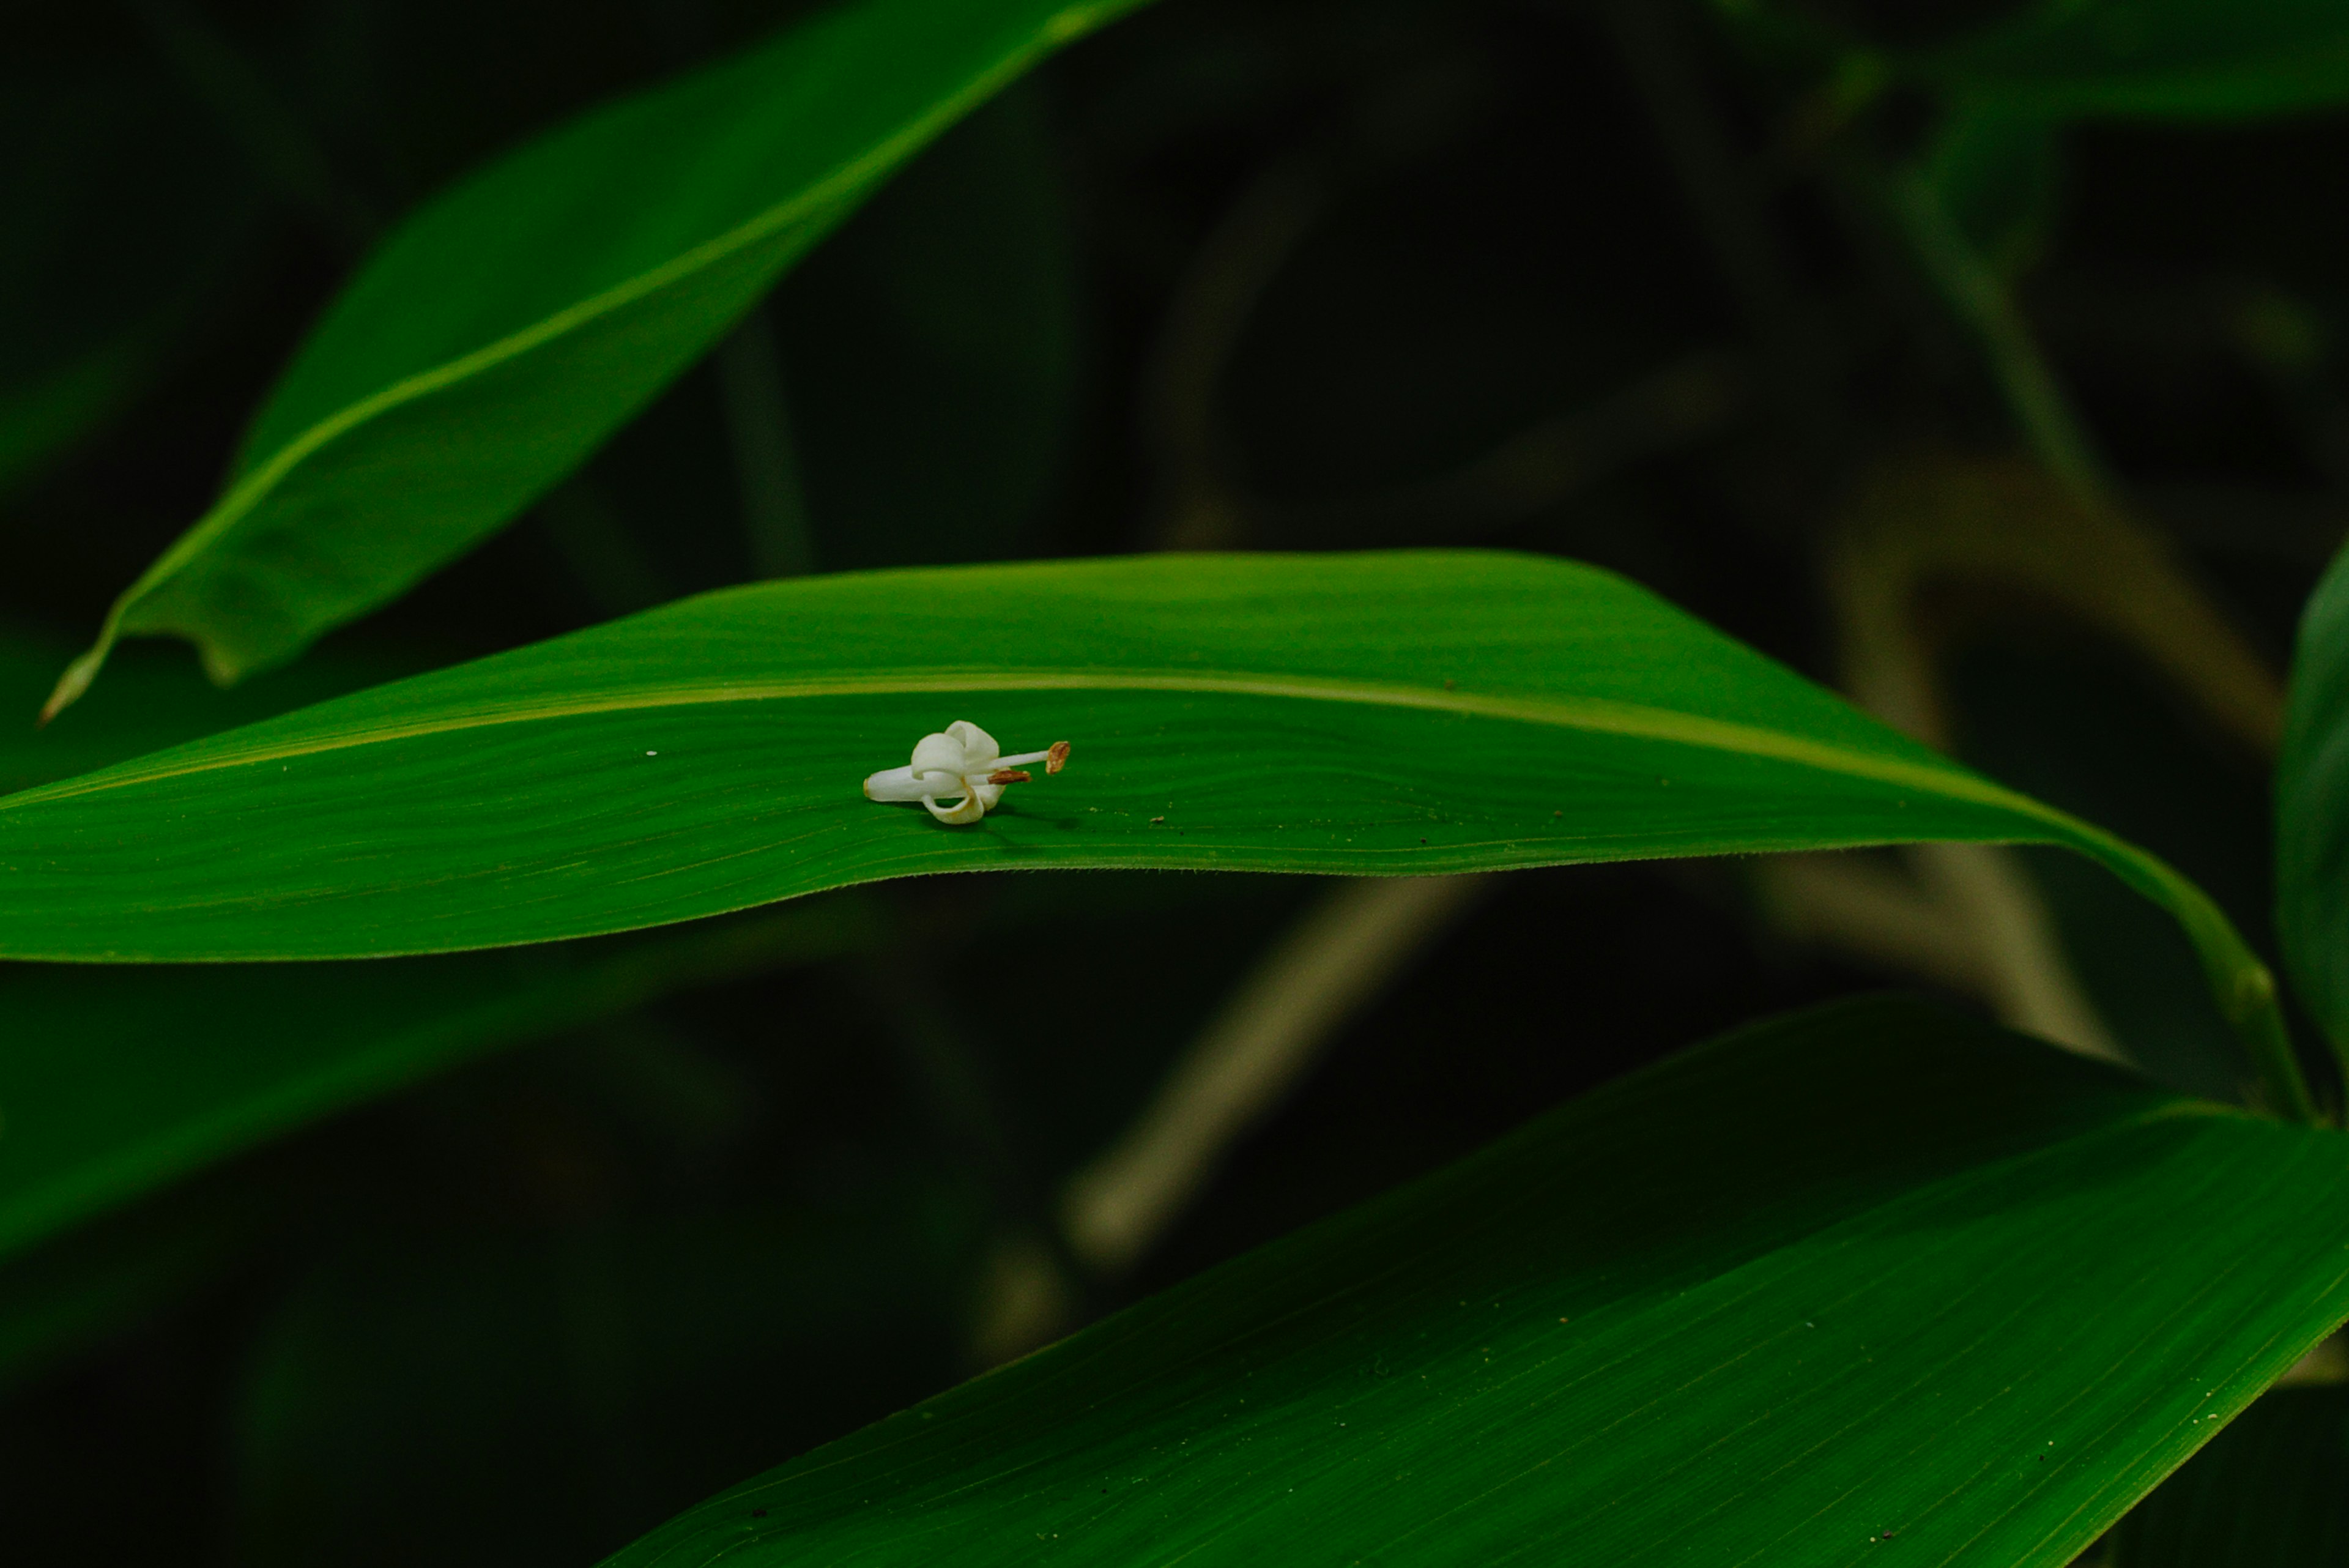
(73, 683)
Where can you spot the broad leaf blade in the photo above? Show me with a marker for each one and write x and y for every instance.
(1868, 1278)
(1400, 712)
(113, 1084)
(2183, 58)
(512, 324)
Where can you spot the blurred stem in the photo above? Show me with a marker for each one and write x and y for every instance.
(1974, 289)
(1725, 199)
(1337, 956)
(272, 135)
(598, 1346)
(1206, 505)
(2010, 526)
(1721, 195)
(1031, 1290)
(766, 459)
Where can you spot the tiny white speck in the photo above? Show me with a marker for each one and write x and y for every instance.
(652, 754)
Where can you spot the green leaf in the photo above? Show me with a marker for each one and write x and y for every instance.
(123, 219)
(1997, 174)
(59, 1300)
(534, 1395)
(1384, 712)
(113, 1084)
(155, 697)
(2182, 58)
(2270, 1492)
(2313, 811)
(1872, 1278)
(512, 323)
(933, 341)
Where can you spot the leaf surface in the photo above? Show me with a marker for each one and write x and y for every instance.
(1871, 1279)
(113, 1084)
(1404, 712)
(510, 325)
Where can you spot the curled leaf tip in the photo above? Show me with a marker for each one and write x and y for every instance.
(72, 684)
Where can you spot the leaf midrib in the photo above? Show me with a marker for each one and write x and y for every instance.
(1592, 714)
(842, 182)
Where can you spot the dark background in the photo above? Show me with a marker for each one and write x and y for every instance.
(1239, 274)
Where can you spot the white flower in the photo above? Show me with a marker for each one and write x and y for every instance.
(965, 765)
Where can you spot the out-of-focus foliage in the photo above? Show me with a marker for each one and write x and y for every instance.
(2312, 807)
(1797, 1270)
(503, 330)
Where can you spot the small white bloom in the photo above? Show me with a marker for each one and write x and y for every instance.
(962, 764)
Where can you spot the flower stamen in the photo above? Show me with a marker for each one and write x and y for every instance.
(961, 763)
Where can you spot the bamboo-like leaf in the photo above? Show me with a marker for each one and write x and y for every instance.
(114, 1084)
(512, 323)
(1870, 1280)
(1386, 712)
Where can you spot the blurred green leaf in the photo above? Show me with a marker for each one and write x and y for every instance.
(497, 1397)
(2312, 809)
(1874, 1278)
(1404, 712)
(501, 332)
(155, 698)
(105, 1279)
(123, 217)
(934, 340)
(1997, 173)
(2183, 58)
(2270, 1492)
(113, 1084)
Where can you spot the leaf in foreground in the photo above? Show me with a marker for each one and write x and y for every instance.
(512, 323)
(1875, 1275)
(1404, 712)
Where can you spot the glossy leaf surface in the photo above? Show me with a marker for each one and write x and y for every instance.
(1869, 1279)
(1381, 713)
(2155, 57)
(113, 1084)
(510, 324)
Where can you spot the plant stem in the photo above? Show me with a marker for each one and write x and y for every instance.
(1982, 298)
(766, 459)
